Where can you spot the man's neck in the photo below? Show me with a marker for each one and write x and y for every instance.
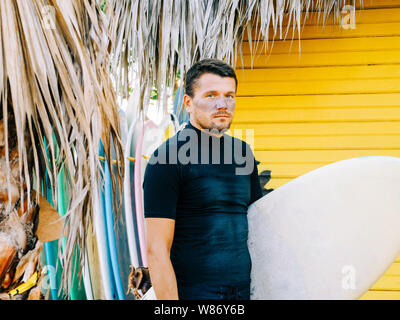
(207, 130)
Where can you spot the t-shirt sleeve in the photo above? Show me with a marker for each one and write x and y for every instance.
(256, 192)
(161, 190)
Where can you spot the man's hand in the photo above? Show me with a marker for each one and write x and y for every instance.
(160, 234)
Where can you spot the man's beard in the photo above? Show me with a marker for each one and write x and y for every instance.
(217, 128)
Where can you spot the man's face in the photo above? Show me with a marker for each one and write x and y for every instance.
(213, 103)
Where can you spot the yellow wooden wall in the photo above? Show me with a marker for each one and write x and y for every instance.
(339, 99)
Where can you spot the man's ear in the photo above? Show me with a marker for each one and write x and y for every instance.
(187, 101)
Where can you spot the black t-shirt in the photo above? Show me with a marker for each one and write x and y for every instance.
(205, 184)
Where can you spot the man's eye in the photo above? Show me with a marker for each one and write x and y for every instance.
(210, 96)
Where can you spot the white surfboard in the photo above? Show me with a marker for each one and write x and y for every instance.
(150, 295)
(329, 234)
(133, 251)
(149, 140)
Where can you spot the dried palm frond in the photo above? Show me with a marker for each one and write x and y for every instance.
(154, 40)
(54, 84)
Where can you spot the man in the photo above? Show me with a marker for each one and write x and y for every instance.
(197, 189)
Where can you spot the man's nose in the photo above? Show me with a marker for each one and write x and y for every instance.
(221, 103)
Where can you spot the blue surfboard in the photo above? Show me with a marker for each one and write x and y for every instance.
(121, 233)
(103, 242)
(112, 246)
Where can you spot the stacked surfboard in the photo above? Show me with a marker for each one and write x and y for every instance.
(117, 237)
(120, 236)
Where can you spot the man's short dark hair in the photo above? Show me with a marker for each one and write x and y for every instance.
(213, 66)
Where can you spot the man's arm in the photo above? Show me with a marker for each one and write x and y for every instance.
(160, 233)
(161, 191)
(256, 192)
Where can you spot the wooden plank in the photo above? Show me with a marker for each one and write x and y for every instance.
(313, 101)
(372, 4)
(322, 45)
(316, 18)
(289, 170)
(319, 87)
(294, 170)
(331, 31)
(318, 156)
(387, 283)
(318, 73)
(381, 295)
(320, 59)
(374, 13)
(326, 129)
(275, 183)
(346, 142)
(394, 270)
(342, 142)
(318, 115)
